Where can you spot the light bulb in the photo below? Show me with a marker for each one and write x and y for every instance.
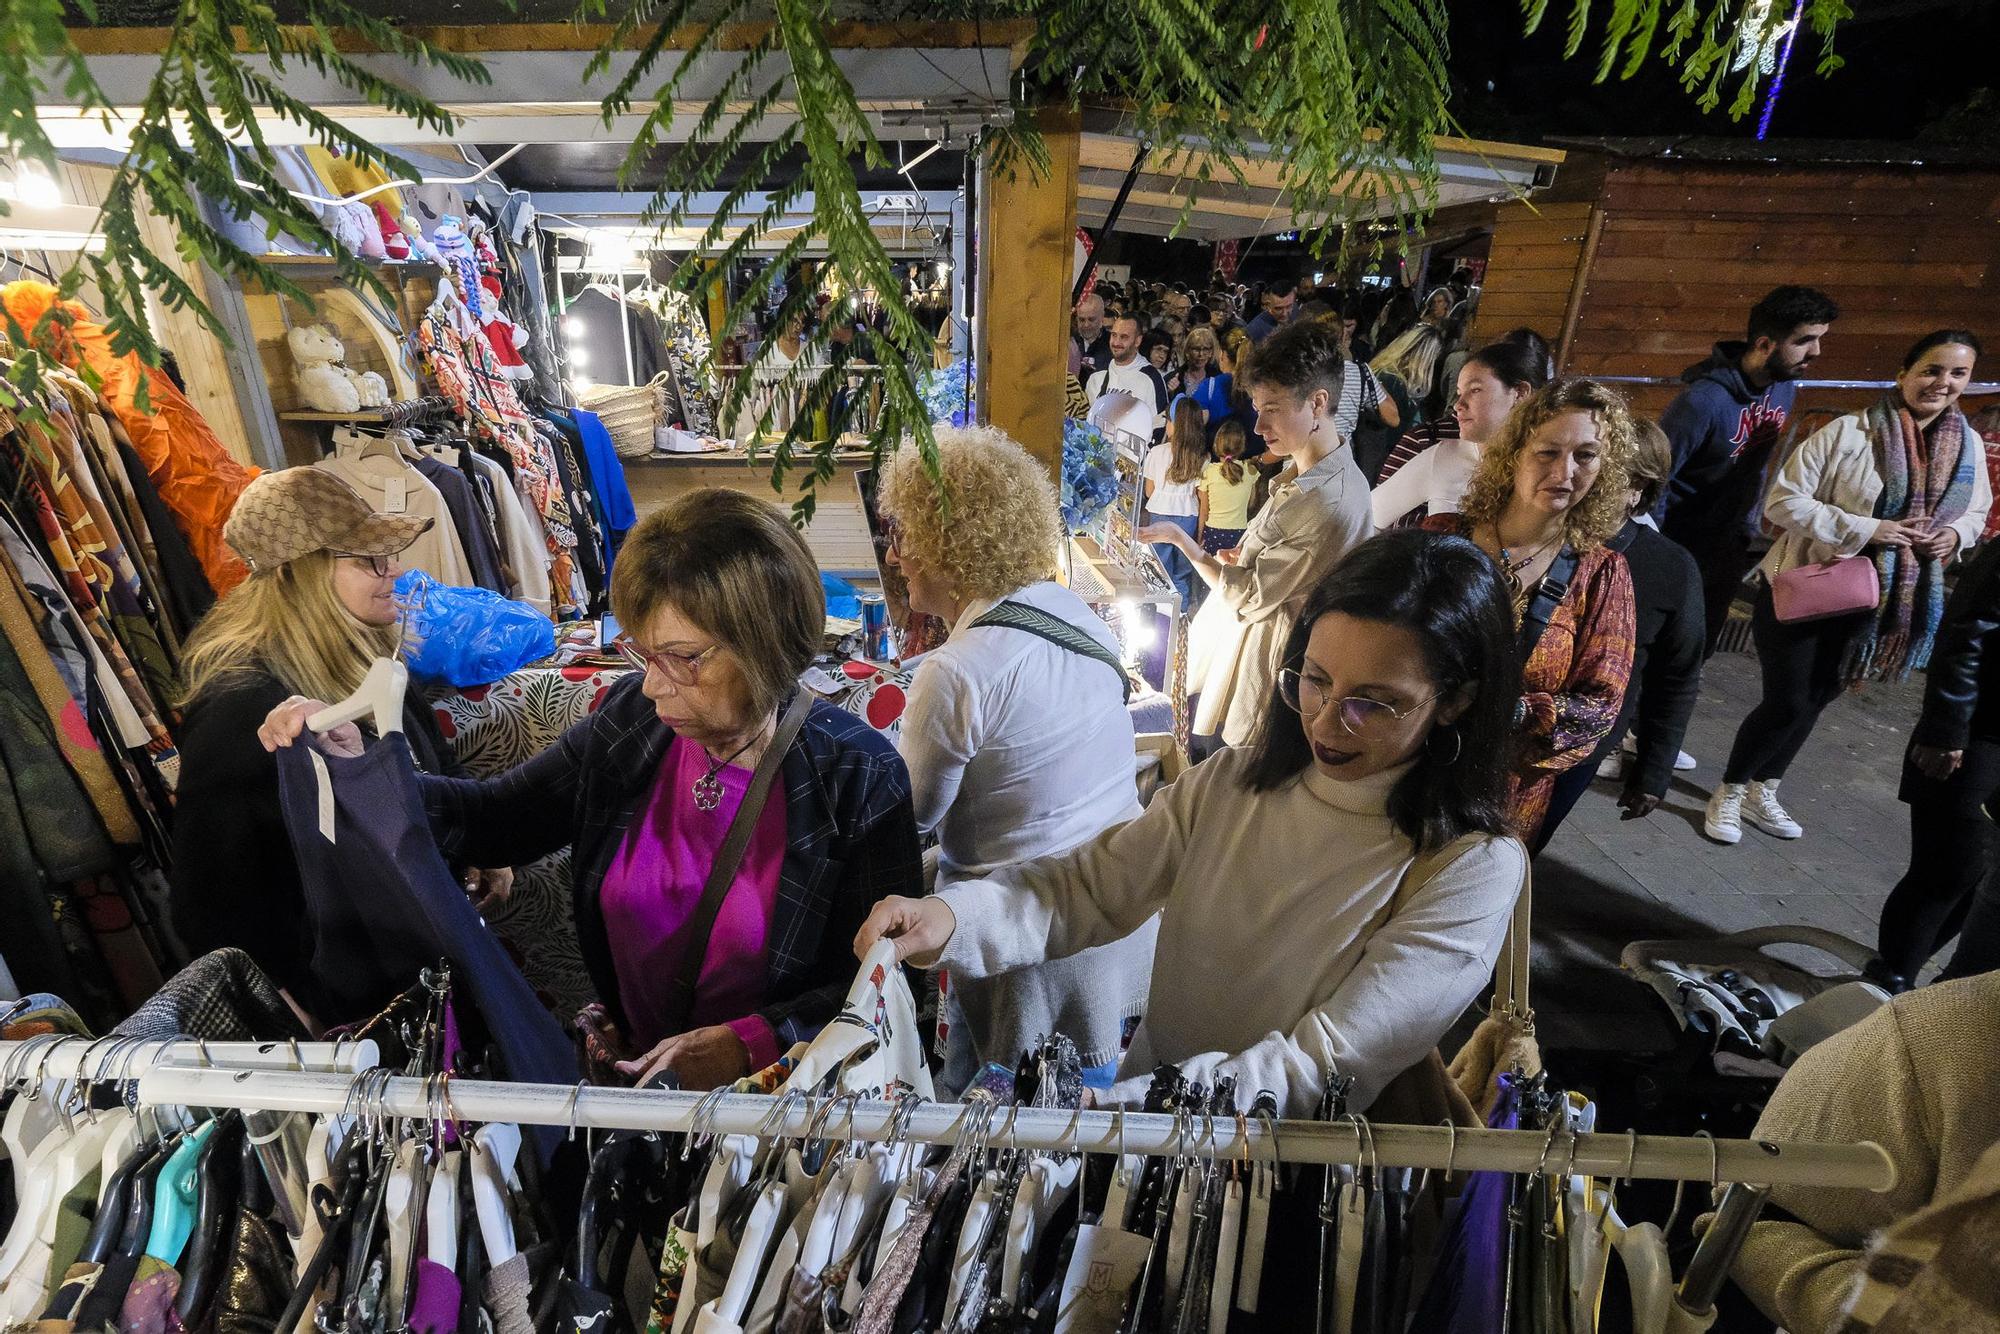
(1140, 634)
(572, 327)
(34, 186)
(577, 358)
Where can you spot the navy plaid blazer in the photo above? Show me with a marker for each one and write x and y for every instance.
(850, 839)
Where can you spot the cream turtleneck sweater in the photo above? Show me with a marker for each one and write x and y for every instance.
(1278, 958)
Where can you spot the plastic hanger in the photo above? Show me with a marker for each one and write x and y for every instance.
(976, 1214)
(403, 1208)
(219, 1178)
(113, 1203)
(379, 698)
(59, 1165)
(760, 1235)
(175, 1198)
(492, 1164)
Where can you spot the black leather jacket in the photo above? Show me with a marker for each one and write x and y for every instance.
(1962, 691)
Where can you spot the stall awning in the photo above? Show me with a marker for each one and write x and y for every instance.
(1254, 200)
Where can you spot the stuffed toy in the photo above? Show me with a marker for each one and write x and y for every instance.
(326, 384)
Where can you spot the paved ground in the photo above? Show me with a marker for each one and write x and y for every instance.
(1605, 882)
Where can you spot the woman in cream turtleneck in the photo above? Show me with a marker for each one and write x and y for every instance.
(1294, 938)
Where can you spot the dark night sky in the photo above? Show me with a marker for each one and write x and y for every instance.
(1907, 61)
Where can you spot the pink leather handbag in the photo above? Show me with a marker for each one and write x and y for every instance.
(1831, 588)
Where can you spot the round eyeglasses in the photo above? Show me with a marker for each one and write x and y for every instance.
(680, 668)
(1357, 713)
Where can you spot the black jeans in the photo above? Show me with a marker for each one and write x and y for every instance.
(1950, 883)
(1801, 670)
(1725, 560)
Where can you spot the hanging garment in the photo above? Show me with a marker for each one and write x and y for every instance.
(607, 329)
(196, 476)
(392, 485)
(1467, 1292)
(685, 342)
(468, 521)
(384, 906)
(520, 245)
(525, 547)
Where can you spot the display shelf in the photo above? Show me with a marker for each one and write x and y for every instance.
(373, 415)
(1095, 577)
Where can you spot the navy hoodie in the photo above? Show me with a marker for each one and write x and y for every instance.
(1724, 434)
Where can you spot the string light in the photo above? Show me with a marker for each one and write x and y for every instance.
(1778, 76)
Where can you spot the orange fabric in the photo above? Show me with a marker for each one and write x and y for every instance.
(195, 475)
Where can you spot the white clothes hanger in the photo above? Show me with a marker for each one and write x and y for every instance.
(492, 1165)
(760, 1235)
(380, 696)
(983, 1202)
(1228, 1232)
(402, 1209)
(1045, 1186)
(441, 1212)
(1178, 1230)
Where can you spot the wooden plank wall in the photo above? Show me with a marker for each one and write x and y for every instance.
(1685, 249)
(1531, 269)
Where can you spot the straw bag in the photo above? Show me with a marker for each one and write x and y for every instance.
(629, 412)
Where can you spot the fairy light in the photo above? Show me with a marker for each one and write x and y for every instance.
(1778, 76)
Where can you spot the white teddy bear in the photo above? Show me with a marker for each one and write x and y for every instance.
(326, 384)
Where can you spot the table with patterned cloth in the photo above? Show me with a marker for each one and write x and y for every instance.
(493, 728)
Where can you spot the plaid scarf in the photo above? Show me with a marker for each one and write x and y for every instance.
(1926, 475)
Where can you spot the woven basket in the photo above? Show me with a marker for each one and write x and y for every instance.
(629, 413)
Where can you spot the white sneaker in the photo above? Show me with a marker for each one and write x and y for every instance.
(1724, 819)
(1613, 767)
(1761, 808)
(1683, 762)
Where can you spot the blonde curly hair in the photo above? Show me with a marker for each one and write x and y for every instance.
(1595, 519)
(1004, 529)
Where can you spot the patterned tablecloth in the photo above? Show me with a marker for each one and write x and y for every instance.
(493, 728)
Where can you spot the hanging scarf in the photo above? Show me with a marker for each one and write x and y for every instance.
(1926, 476)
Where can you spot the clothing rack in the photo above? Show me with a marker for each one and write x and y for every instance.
(114, 1057)
(1354, 1142)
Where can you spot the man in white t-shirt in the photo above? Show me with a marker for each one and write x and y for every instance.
(1131, 373)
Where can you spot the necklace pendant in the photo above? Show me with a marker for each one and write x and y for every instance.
(707, 792)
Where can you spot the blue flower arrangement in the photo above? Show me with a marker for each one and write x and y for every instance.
(1089, 473)
(947, 394)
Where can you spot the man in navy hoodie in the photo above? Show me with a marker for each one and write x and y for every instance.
(1725, 427)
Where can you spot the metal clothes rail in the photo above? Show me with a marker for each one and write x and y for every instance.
(112, 1057)
(1860, 1166)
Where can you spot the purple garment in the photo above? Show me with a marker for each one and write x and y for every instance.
(149, 1304)
(1468, 1287)
(435, 1308)
(654, 883)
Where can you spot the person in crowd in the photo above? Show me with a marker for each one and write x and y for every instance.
(1332, 896)
(1131, 373)
(1392, 318)
(1550, 491)
(1157, 347)
(1413, 358)
(1279, 302)
(1222, 398)
(1171, 475)
(1199, 356)
(1431, 477)
(1363, 406)
(1951, 774)
(723, 610)
(1227, 492)
(1902, 484)
(1666, 655)
(1089, 340)
(1307, 525)
(1921, 1077)
(1725, 428)
(1016, 734)
(317, 610)
(1222, 314)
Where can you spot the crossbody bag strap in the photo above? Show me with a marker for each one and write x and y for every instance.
(729, 860)
(1548, 596)
(1035, 621)
(1510, 979)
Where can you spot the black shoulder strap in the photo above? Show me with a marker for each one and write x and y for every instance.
(1035, 621)
(1548, 596)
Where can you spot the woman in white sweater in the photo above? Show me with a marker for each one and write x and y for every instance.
(1294, 937)
(1901, 484)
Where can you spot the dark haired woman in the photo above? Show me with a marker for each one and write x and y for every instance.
(1432, 477)
(1331, 897)
(1307, 525)
(1903, 482)
(1550, 492)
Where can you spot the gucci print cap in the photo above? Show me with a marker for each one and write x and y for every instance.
(296, 511)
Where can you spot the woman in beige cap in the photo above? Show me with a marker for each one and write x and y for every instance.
(318, 608)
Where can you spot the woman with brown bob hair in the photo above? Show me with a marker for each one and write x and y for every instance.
(1550, 491)
(723, 609)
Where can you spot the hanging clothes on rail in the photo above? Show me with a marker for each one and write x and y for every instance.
(621, 342)
(684, 340)
(196, 476)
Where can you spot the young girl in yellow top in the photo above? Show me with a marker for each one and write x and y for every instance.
(1226, 489)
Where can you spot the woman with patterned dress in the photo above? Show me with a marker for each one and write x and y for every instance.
(1548, 494)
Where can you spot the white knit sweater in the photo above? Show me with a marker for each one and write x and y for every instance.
(1277, 957)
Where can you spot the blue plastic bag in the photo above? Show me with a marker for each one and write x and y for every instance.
(843, 600)
(468, 636)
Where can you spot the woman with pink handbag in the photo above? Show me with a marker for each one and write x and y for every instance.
(1869, 510)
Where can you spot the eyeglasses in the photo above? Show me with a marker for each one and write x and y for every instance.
(379, 566)
(680, 668)
(1357, 713)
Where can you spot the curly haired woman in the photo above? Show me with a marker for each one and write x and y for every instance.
(1016, 733)
(1549, 492)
